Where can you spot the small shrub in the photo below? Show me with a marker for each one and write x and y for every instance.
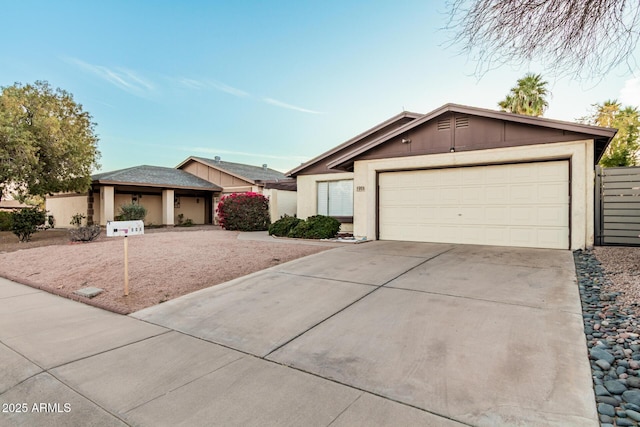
(76, 220)
(84, 234)
(284, 225)
(244, 212)
(25, 222)
(180, 219)
(132, 212)
(188, 223)
(51, 221)
(316, 227)
(5, 221)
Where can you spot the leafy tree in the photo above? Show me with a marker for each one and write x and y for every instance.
(47, 141)
(529, 96)
(579, 37)
(624, 147)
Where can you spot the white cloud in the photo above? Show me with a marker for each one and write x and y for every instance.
(122, 78)
(630, 93)
(228, 89)
(289, 106)
(212, 84)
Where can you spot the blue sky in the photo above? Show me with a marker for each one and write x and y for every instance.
(257, 82)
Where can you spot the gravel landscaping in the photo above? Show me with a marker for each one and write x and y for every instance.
(163, 264)
(609, 283)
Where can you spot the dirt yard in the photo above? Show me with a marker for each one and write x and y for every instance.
(163, 264)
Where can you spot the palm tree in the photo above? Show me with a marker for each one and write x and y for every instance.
(624, 148)
(527, 97)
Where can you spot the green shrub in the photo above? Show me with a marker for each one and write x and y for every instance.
(283, 226)
(132, 212)
(316, 227)
(244, 212)
(5, 221)
(25, 222)
(76, 220)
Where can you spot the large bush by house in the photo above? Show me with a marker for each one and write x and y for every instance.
(283, 226)
(25, 222)
(244, 212)
(316, 227)
(5, 221)
(132, 212)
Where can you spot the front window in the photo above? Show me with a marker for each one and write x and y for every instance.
(335, 198)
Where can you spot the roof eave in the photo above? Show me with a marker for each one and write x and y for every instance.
(352, 141)
(602, 132)
(148, 184)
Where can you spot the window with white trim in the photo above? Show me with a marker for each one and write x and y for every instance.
(335, 198)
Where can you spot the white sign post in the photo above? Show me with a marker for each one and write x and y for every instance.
(126, 229)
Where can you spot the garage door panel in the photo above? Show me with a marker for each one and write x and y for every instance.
(557, 216)
(509, 205)
(555, 192)
(473, 195)
(547, 172)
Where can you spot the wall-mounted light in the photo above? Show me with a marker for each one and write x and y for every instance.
(406, 140)
(452, 149)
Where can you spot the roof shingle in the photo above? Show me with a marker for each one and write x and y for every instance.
(253, 173)
(156, 176)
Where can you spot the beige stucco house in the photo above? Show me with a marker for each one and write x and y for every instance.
(461, 175)
(189, 191)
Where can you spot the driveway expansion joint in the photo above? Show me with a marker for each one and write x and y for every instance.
(354, 302)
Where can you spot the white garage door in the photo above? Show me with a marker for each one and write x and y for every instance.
(524, 204)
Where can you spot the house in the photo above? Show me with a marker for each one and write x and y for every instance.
(461, 174)
(165, 192)
(240, 178)
(191, 190)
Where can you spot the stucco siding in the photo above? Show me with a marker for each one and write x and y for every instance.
(579, 153)
(192, 208)
(154, 209)
(307, 195)
(64, 206)
(281, 202)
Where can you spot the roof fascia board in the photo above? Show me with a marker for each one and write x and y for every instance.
(353, 140)
(146, 184)
(453, 108)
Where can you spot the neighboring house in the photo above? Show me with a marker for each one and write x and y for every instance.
(461, 175)
(165, 192)
(10, 205)
(192, 189)
(241, 178)
(232, 177)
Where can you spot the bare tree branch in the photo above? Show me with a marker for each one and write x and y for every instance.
(583, 38)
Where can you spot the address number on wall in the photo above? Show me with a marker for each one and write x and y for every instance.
(360, 188)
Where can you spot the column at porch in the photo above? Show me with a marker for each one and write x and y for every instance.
(167, 207)
(107, 202)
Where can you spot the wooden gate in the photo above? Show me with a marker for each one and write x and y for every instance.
(617, 206)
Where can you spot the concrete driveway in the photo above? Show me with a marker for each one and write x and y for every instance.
(382, 333)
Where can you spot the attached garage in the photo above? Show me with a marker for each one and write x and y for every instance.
(467, 175)
(522, 204)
